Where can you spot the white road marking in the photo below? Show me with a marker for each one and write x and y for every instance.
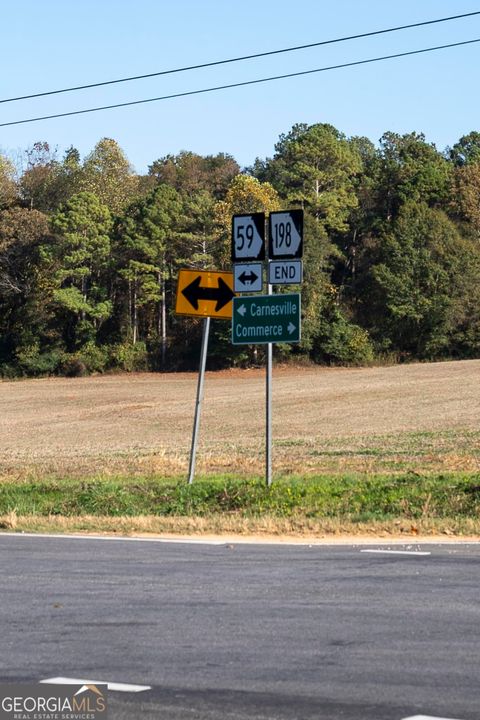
(399, 552)
(114, 687)
(61, 536)
(426, 717)
(227, 540)
(236, 540)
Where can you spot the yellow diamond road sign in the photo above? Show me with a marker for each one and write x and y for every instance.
(205, 293)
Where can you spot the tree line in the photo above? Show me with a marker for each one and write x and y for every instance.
(90, 251)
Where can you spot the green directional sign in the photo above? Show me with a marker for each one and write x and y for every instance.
(266, 319)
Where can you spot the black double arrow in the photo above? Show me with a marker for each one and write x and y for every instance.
(248, 278)
(194, 292)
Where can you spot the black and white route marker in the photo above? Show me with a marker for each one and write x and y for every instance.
(248, 277)
(248, 237)
(285, 235)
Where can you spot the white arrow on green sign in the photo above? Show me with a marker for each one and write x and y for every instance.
(266, 319)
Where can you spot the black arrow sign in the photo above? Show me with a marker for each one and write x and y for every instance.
(247, 277)
(222, 294)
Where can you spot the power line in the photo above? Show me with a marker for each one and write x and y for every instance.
(242, 84)
(239, 59)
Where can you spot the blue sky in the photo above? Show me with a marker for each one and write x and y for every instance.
(56, 43)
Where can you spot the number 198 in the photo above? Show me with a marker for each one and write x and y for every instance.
(282, 235)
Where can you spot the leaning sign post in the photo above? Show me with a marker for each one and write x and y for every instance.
(271, 318)
(207, 294)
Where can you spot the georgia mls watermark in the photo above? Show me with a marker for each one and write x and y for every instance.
(29, 701)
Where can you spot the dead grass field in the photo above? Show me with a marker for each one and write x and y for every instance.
(232, 528)
(422, 417)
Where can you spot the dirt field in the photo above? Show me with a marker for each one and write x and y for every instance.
(416, 417)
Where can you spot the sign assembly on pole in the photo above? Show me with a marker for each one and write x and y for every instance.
(248, 237)
(256, 319)
(205, 293)
(248, 277)
(285, 235)
(285, 272)
(266, 319)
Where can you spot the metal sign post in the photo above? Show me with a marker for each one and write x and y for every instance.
(198, 404)
(264, 320)
(204, 293)
(267, 319)
(268, 424)
(285, 231)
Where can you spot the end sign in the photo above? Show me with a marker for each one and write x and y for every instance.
(285, 272)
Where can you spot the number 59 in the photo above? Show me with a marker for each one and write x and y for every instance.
(244, 236)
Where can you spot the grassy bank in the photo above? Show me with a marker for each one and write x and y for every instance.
(351, 503)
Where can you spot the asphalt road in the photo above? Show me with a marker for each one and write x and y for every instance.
(230, 632)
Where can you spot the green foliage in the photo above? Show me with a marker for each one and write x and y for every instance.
(82, 253)
(89, 251)
(128, 357)
(351, 497)
(108, 174)
(25, 286)
(146, 247)
(418, 279)
(89, 359)
(315, 167)
(31, 361)
(411, 170)
(467, 150)
(94, 358)
(339, 341)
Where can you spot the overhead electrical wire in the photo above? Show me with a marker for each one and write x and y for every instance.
(242, 84)
(241, 58)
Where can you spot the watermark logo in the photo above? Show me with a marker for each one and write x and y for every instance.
(29, 701)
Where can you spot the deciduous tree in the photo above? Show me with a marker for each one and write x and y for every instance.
(108, 174)
(188, 172)
(8, 187)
